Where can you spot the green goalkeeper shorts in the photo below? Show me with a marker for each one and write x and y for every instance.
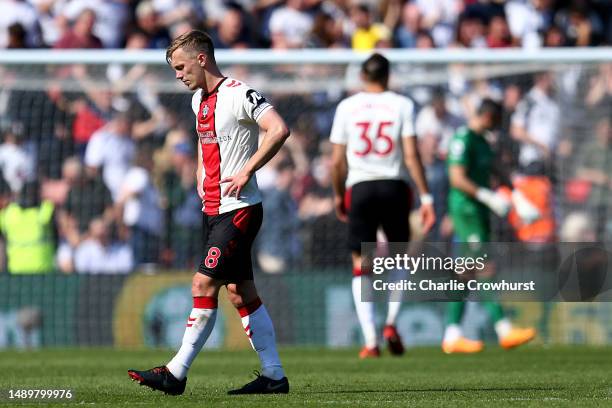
(471, 225)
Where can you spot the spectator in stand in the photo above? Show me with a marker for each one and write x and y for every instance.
(581, 26)
(267, 175)
(407, 32)
(87, 120)
(175, 12)
(163, 157)
(581, 22)
(435, 126)
(111, 18)
(424, 40)
(183, 208)
(52, 137)
(134, 89)
(6, 198)
(87, 198)
(535, 124)
(324, 237)
(472, 92)
(28, 229)
(81, 34)
(147, 21)
(93, 110)
(498, 32)
(128, 78)
(607, 19)
(578, 226)
(527, 19)
(44, 116)
(325, 33)
(469, 32)
(595, 167)
(278, 242)
(57, 191)
(289, 25)
(97, 253)
(599, 95)
(16, 164)
(554, 37)
(111, 150)
(16, 37)
(434, 121)
(214, 10)
(136, 40)
(507, 147)
(339, 11)
(368, 34)
(317, 200)
(232, 31)
(51, 25)
(138, 201)
(180, 28)
(440, 19)
(19, 11)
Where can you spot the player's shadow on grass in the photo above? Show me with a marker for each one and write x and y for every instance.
(455, 389)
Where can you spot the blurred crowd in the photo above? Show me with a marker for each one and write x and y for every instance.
(98, 163)
(357, 24)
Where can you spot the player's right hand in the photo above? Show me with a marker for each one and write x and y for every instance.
(428, 217)
(498, 203)
(340, 207)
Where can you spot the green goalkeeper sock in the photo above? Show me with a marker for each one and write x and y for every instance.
(454, 313)
(494, 309)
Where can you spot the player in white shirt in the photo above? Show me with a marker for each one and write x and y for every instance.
(228, 132)
(230, 116)
(535, 123)
(374, 150)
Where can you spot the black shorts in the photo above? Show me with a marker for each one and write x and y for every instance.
(228, 239)
(384, 203)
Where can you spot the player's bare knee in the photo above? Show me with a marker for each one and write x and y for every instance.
(234, 298)
(241, 294)
(202, 285)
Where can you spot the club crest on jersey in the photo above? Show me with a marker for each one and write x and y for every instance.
(205, 110)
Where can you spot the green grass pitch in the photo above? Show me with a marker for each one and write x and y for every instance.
(423, 377)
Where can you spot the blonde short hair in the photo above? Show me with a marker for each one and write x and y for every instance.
(193, 41)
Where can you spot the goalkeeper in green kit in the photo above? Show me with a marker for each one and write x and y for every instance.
(470, 161)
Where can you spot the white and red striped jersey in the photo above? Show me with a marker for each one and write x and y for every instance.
(228, 135)
(372, 125)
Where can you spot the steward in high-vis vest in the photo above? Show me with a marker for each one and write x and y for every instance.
(28, 229)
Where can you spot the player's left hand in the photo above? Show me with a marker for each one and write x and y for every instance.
(525, 209)
(340, 207)
(236, 184)
(428, 217)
